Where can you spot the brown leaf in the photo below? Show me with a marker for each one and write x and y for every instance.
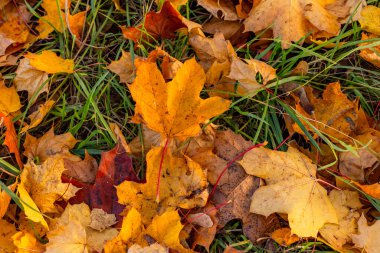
(225, 27)
(368, 236)
(204, 236)
(124, 67)
(223, 9)
(30, 79)
(36, 117)
(231, 249)
(84, 170)
(11, 140)
(343, 9)
(284, 237)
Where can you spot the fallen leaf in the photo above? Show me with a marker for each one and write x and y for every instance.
(9, 99)
(165, 230)
(371, 54)
(49, 145)
(153, 248)
(204, 235)
(8, 60)
(284, 237)
(36, 117)
(346, 204)
(30, 79)
(76, 25)
(292, 188)
(173, 109)
(101, 220)
(49, 62)
(120, 137)
(346, 10)
(372, 189)
(55, 18)
(84, 170)
(115, 167)
(6, 231)
(182, 184)
(43, 183)
(11, 140)
(30, 208)
(334, 115)
(124, 67)
(223, 9)
(162, 24)
(225, 27)
(26, 242)
(368, 236)
(292, 20)
(361, 165)
(201, 219)
(370, 19)
(5, 199)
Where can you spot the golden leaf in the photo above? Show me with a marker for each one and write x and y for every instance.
(370, 19)
(6, 231)
(9, 99)
(49, 62)
(368, 236)
(26, 242)
(292, 188)
(37, 116)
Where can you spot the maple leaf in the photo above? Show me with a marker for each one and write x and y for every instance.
(49, 145)
(49, 62)
(173, 109)
(162, 24)
(43, 182)
(370, 19)
(224, 7)
(284, 237)
(344, 9)
(76, 24)
(182, 184)
(55, 18)
(115, 167)
(346, 204)
(85, 170)
(292, 19)
(153, 248)
(334, 115)
(370, 54)
(292, 188)
(368, 236)
(11, 140)
(228, 28)
(36, 117)
(372, 189)
(9, 99)
(30, 79)
(5, 199)
(124, 67)
(72, 232)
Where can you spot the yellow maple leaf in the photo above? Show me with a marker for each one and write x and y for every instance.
(26, 242)
(55, 18)
(6, 231)
(30, 208)
(43, 183)
(292, 188)
(183, 184)
(5, 199)
(173, 109)
(370, 19)
(49, 62)
(291, 20)
(371, 54)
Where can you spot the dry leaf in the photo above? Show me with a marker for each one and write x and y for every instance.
(223, 9)
(43, 182)
(6, 231)
(173, 109)
(26, 242)
(9, 99)
(370, 19)
(346, 204)
(292, 188)
(36, 117)
(76, 24)
(11, 140)
(55, 18)
(30, 79)
(120, 137)
(124, 67)
(225, 27)
(84, 170)
(346, 10)
(182, 184)
(368, 236)
(153, 248)
(372, 190)
(204, 235)
(49, 62)
(5, 199)
(361, 165)
(101, 220)
(231, 249)
(292, 20)
(371, 54)
(49, 145)
(334, 115)
(284, 237)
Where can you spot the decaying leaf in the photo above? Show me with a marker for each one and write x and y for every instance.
(284, 237)
(43, 183)
(346, 204)
(124, 67)
(182, 184)
(173, 109)
(292, 188)
(368, 236)
(49, 145)
(362, 166)
(334, 114)
(370, 19)
(49, 62)
(36, 117)
(292, 20)
(30, 79)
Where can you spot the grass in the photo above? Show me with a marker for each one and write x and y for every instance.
(92, 98)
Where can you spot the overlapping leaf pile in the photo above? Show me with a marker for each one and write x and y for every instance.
(197, 177)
